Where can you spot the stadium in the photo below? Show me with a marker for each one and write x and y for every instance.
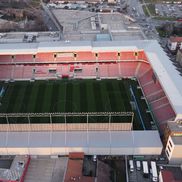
(107, 98)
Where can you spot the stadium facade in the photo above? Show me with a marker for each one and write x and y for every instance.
(144, 60)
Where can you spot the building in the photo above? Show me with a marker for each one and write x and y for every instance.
(75, 1)
(170, 175)
(174, 43)
(179, 57)
(74, 169)
(174, 142)
(143, 60)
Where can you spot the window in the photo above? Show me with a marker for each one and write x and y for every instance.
(118, 54)
(55, 55)
(53, 70)
(169, 148)
(167, 153)
(13, 57)
(170, 143)
(34, 56)
(136, 53)
(75, 55)
(78, 70)
(96, 54)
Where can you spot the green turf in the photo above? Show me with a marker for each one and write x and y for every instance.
(68, 96)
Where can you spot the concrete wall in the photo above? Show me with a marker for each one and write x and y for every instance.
(86, 150)
(176, 157)
(67, 127)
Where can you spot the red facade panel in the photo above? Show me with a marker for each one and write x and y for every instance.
(45, 57)
(23, 58)
(142, 56)
(85, 56)
(128, 55)
(104, 56)
(5, 59)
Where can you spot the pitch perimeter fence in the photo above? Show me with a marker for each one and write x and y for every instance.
(66, 121)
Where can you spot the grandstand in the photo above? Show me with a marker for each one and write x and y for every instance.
(92, 60)
(157, 80)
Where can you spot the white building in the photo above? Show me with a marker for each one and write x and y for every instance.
(179, 57)
(173, 147)
(174, 43)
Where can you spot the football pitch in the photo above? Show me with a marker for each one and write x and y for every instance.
(68, 96)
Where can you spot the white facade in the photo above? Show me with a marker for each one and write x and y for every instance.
(173, 150)
(179, 57)
(96, 142)
(174, 43)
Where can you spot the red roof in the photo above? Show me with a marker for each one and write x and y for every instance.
(76, 155)
(168, 176)
(74, 172)
(175, 39)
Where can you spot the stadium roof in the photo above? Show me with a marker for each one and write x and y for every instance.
(169, 77)
(131, 140)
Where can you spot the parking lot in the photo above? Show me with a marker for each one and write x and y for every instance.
(169, 10)
(137, 175)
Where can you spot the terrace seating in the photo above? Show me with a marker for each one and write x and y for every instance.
(89, 70)
(159, 102)
(143, 67)
(151, 87)
(17, 72)
(164, 113)
(28, 72)
(107, 56)
(128, 69)
(64, 57)
(113, 70)
(146, 76)
(127, 56)
(44, 57)
(142, 56)
(65, 69)
(23, 58)
(5, 59)
(5, 72)
(85, 56)
(103, 70)
(40, 72)
(155, 95)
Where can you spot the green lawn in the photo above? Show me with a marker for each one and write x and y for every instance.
(68, 96)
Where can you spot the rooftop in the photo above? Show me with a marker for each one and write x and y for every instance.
(177, 140)
(171, 174)
(175, 39)
(85, 25)
(74, 171)
(174, 126)
(89, 142)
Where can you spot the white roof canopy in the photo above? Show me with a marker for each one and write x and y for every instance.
(102, 141)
